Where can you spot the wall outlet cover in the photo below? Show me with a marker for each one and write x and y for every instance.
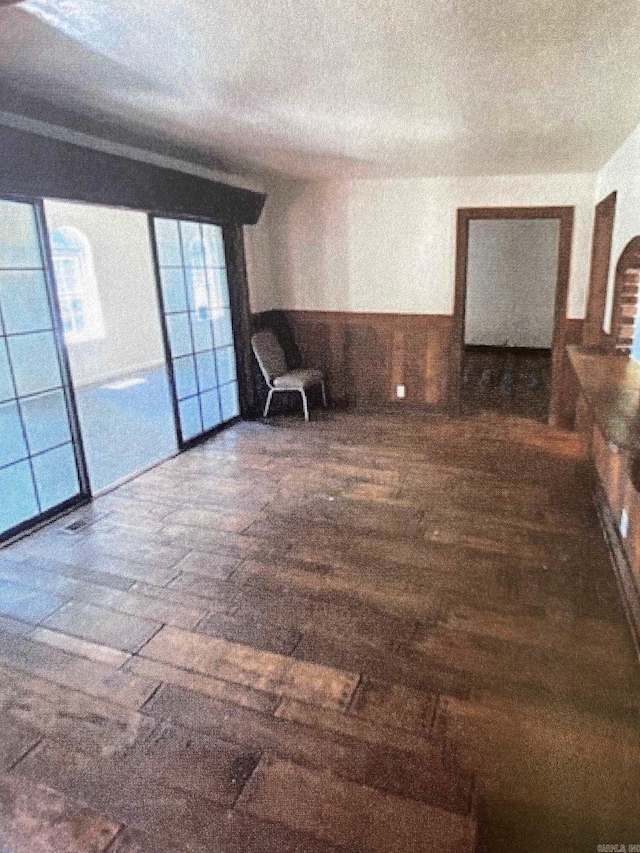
(401, 392)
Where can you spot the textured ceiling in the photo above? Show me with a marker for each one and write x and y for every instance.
(314, 88)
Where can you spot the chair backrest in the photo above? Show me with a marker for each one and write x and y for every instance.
(269, 355)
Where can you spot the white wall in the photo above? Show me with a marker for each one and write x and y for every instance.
(260, 258)
(389, 245)
(511, 282)
(621, 173)
(126, 283)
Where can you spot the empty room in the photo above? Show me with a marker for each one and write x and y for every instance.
(319, 426)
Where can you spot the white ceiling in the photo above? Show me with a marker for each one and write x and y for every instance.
(318, 88)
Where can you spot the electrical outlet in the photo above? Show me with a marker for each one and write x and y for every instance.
(624, 523)
(401, 392)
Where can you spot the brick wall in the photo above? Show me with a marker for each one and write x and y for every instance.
(627, 310)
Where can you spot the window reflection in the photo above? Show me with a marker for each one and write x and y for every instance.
(76, 285)
(195, 290)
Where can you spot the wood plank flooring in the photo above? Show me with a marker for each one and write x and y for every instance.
(367, 634)
(512, 380)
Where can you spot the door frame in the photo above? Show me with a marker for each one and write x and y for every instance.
(84, 490)
(603, 223)
(186, 444)
(63, 351)
(565, 216)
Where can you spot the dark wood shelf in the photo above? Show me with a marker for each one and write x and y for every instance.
(611, 385)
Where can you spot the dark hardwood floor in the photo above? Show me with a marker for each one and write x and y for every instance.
(380, 633)
(512, 380)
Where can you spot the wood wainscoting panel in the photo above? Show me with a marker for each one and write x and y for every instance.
(617, 492)
(611, 466)
(624, 551)
(366, 355)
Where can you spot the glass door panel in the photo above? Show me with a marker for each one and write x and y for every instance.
(39, 460)
(108, 300)
(195, 296)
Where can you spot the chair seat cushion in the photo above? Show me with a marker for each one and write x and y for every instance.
(298, 380)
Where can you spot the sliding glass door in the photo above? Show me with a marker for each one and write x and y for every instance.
(106, 288)
(40, 458)
(195, 299)
(89, 394)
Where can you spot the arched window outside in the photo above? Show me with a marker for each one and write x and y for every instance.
(76, 286)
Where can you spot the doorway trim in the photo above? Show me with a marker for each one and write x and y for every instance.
(564, 216)
(604, 219)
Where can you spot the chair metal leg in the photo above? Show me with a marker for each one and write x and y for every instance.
(268, 403)
(324, 396)
(305, 405)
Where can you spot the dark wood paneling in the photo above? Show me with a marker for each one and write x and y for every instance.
(610, 384)
(625, 554)
(599, 274)
(41, 167)
(560, 370)
(614, 469)
(365, 355)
